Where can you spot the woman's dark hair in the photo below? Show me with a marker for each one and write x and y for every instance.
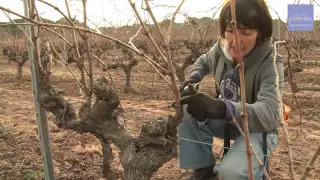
(253, 14)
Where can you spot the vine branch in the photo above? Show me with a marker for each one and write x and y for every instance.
(243, 94)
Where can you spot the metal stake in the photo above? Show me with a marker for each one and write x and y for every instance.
(43, 131)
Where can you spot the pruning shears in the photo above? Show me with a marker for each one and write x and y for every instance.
(188, 90)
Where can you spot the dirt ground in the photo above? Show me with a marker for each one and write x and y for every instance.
(79, 156)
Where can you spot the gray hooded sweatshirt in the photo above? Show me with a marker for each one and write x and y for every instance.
(261, 97)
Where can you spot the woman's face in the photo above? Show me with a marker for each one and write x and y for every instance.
(247, 40)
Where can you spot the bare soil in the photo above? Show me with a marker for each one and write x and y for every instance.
(79, 156)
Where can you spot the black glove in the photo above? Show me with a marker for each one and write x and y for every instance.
(202, 106)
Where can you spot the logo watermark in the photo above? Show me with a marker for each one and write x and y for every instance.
(300, 17)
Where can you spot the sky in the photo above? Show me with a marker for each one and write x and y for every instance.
(118, 12)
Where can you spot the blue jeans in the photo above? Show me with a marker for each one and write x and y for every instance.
(193, 155)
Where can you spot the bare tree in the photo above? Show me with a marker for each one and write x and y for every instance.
(140, 156)
(18, 55)
(126, 64)
(301, 43)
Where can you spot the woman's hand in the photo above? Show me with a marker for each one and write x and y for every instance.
(202, 106)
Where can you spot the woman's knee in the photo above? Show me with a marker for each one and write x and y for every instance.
(187, 122)
(187, 125)
(237, 171)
